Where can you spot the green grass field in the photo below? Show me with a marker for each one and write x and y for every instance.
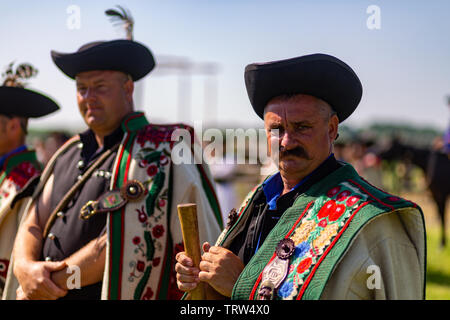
(438, 267)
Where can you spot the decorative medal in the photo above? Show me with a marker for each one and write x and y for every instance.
(131, 191)
(275, 272)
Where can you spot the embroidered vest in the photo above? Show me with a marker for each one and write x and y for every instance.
(301, 251)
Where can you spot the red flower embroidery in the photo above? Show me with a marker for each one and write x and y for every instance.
(155, 134)
(136, 240)
(163, 159)
(162, 202)
(152, 170)
(22, 173)
(327, 208)
(352, 200)
(142, 216)
(140, 266)
(337, 213)
(304, 265)
(158, 231)
(291, 268)
(323, 223)
(343, 195)
(143, 163)
(332, 192)
(156, 262)
(313, 251)
(148, 294)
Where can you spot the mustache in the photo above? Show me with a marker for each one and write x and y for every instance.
(298, 152)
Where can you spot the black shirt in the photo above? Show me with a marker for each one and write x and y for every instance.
(262, 220)
(69, 233)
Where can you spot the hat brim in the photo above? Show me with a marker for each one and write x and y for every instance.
(126, 56)
(319, 75)
(25, 103)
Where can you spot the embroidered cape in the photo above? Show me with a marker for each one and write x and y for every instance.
(317, 231)
(18, 170)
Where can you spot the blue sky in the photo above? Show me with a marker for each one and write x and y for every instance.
(404, 66)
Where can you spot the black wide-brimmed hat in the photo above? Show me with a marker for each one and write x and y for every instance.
(20, 102)
(127, 56)
(319, 75)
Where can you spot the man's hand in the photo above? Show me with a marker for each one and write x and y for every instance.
(35, 280)
(187, 274)
(20, 295)
(220, 268)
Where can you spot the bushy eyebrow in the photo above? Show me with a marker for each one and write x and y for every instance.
(302, 123)
(95, 82)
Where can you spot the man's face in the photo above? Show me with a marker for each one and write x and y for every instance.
(3, 134)
(11, 134)
(104, 98)
(306, 131)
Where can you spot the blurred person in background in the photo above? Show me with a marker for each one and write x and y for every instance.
(19, 167)
(46, 148)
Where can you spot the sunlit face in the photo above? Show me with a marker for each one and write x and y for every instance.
(104, 98)
(3, 134)
(11, 134)
(306, 130)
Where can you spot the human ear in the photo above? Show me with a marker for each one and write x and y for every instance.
(333, 124)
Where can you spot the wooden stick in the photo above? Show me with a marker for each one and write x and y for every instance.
(189, 227)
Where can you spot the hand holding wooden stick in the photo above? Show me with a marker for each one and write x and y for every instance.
(187, 214)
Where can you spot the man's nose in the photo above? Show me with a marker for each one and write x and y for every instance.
(287, 139)
(89, 95)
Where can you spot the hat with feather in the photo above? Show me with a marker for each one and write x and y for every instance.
(17, 101)
(126, 56)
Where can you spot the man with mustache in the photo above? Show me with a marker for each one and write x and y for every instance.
(315, 229)
(103, 223)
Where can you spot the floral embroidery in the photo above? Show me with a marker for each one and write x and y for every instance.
(327, 209)
(304, 265)
(148, 294)
(285, 289)
(301, 234)
(324, 238)
(152, 170)
(301, 249)
(343, 195)
(332, 192)
(142, 216)
(150, 241)
(157, 134)
(22, 173)
(158, 231)
(316, 231)
(323, 223)
(156, 262)
(352, 201)
(140, 266)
